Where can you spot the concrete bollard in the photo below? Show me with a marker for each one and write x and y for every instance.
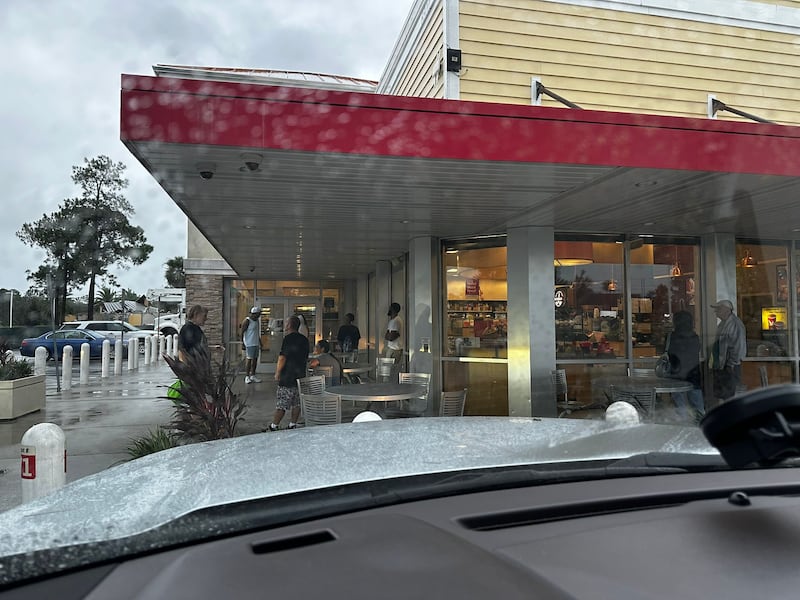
(105, 361)
(118, 357)
(134, 342)
(86, 355)
(40, 361)
(43, 456)
(131, 354)
(156, 348)
(147, 348)
(66, 372)
(174, 346)
(168, 345)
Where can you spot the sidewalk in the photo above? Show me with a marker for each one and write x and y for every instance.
(100, 418)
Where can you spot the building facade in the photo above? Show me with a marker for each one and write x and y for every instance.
(586, 231)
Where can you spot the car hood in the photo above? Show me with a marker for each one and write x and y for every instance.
(150, 491)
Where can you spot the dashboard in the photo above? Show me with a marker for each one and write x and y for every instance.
(698, 535)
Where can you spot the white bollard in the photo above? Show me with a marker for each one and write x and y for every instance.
(157, 347)
(40, 361)
(174, 345)
(147, 347)
(86, 355)
(168, 345)
(44, 461)
(118, 357)
(66, 372)
(135, 343)
(105, 361)
(131, 354)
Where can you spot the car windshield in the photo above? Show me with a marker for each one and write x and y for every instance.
(530, 234)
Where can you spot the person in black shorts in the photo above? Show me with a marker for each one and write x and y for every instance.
(291, 367)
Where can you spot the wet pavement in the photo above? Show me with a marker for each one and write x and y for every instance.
(101, 418)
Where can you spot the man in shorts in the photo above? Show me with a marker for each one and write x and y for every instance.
(291, 367)
(252, 344)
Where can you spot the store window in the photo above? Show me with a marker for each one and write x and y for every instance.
(476, 314)
(763, 295)
(589, 299)
(475, 347)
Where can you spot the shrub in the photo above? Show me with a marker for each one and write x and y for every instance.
(206, 408)
(155, 440)
(10, 368)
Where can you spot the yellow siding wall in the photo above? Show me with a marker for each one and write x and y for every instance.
(422, 74)
(624, 61)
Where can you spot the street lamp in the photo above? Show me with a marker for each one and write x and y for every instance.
(10, 308)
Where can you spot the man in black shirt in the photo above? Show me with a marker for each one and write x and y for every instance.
(291, 367)
(191, 338)
(348, 335)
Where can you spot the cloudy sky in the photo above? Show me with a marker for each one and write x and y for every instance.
(60, 71)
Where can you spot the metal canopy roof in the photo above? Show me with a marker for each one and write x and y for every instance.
(346, 179)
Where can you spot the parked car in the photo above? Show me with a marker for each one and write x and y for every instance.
(114, 329)
(64, 338)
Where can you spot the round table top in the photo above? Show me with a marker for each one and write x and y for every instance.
(662, 385)
(377, 392)
(356, 369)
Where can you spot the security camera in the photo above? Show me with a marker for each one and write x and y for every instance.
(251, 161)
(206, 170)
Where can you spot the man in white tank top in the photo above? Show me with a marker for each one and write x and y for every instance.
(252, 344)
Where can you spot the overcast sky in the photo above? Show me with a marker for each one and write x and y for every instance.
(61, 66)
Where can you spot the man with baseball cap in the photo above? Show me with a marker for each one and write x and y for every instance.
(729, 348)
(252, 344)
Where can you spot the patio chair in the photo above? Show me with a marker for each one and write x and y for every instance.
(314, 384)
(565, 404)
(326, 372)
(413, 407)
(640, 372)
(321, 409)
(643, 401)
(452, 403)
(383, 369)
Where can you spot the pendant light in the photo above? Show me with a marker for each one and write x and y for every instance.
(676, 268)
(748, 261)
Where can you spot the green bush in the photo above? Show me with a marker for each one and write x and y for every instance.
(9, 367)
(155, 440)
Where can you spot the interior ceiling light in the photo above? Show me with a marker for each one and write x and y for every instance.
(570, 254)
(676, 268)
(748, 261)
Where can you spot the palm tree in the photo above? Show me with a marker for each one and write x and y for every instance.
(106, 294)
(174, 273)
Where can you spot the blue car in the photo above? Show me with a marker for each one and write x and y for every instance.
(74, 338)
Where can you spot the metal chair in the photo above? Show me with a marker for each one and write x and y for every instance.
(383, 369)
(321, 409)
(413, 407)
(565, 405)
(452, 403)
(639, 372)
(643, 401)
(314, 384)
(326, 372)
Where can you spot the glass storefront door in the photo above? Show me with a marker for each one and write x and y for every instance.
(274, 312)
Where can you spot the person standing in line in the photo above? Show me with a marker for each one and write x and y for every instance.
(191, 338)
(291, 367)
(394, 337)
(349, 336)
(303, 328)
(730, 347)
(683, 349)
(252, 344)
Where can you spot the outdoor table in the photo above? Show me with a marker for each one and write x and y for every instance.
(349, 370)
(662, 385)
(377, 392)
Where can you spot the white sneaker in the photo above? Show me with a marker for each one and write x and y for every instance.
(248, 379)
(254, 379)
